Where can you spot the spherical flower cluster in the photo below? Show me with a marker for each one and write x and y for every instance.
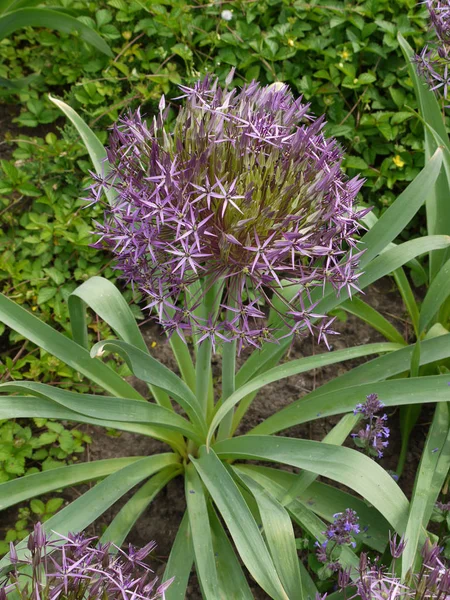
(243, 198)
(434, 60)
(77, 568)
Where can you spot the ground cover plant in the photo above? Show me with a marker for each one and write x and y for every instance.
(222, 130)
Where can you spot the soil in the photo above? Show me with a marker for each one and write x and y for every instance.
(160, 522)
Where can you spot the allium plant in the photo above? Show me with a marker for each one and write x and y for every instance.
(76, 567)
(244, 197)
(238, 211)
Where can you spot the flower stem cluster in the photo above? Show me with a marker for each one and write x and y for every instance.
(434, 60)
(244, 196)
(74, 568)
(373, 438)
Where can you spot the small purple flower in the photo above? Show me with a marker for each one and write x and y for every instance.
(339, 533)
(245, 196)
(373, 438)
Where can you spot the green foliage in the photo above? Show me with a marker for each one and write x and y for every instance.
(344, 59)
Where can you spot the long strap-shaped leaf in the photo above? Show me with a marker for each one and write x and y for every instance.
(95, 148)
(301, 514)
(151, 371)
(325, 501)
(84, 510)
(338, 434)
(27, 407)
(232, 581)
(59, 345)
(105, 299)
(121, 525)
(427, 487)
(437, 293)
(23, 488)
(279, 535)
(240, 523)
(344, 465)
(387, 366)
(295, 367)
(400, 213)
(397, 392)
(180, 562)
(384, 264)
(115, 409)
(437, 205)
(368, 314)
(197, 509)
(52, 19)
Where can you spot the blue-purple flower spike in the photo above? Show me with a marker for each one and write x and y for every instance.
(247, 193)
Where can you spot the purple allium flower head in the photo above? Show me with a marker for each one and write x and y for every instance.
(434, 61)
(374, 581)
(73, 567)
(374, 436)
(243, 196)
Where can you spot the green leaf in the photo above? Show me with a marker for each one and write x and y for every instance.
(395, 392)
(37, 506)
(51, 19)
(337, 436)
(12, 407)
(344, 465)
(436, 295)
(438, 211)
(180, 562)
(232, 581)
(99, 407)
(84, 510)
(45, 294)
(205, 564)
(279, 535)
(300, 512)
(21, 489)
(366, 313)
(105, 299)
(121, 525)
(59, 345)
(426, 487)
(93, 145)
(294, 368)
(151, 371)
(407, 294)
(240, 523)
(325, 500)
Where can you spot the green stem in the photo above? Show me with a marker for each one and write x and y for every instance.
(208, 308)
(408, 297)
(228, 387)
